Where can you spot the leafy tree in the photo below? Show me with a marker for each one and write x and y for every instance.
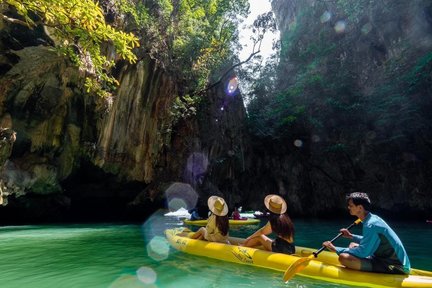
(79, 29)
(298, 95)
(253, 65)
(195, 40)
(189, 38)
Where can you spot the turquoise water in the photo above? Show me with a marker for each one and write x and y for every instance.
(113, 255)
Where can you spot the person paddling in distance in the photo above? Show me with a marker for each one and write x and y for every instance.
(378, 250)
(279, 223)
(236, 213)
(217, 226)
(195, 214)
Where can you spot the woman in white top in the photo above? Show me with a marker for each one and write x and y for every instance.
(217, 226)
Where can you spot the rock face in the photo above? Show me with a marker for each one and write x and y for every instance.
(7, 138)
(60, 130)
(80, 157)
(364, 72)
(36, 98)
(360, 74)
(218, 146)
(132, 135)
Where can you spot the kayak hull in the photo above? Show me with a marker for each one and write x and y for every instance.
(325, 267)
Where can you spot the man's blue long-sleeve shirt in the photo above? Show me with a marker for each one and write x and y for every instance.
(373, 227)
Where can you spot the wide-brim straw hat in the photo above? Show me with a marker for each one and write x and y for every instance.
(275, 204)
(217, 206)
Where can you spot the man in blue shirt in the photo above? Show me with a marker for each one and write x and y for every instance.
(378, 250)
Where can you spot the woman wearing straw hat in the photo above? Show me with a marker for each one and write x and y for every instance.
(279, 223)
(217, 226)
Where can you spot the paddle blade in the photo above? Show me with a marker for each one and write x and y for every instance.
(296, 267)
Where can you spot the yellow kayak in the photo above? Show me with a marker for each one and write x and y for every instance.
(326, 267)
(247, 221)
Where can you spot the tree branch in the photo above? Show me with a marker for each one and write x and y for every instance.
(228, 71)
(15, 21)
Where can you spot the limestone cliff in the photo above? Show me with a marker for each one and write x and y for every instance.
(79, 156)
(351, 112)
(353, 85)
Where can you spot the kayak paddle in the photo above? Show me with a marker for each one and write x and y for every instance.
(301, 263)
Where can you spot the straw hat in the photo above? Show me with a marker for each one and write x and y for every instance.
(217, 206)
(275, 204)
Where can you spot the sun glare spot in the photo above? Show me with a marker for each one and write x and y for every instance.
(298, 143)
(340, 26)
(366, 28)
(176, 203)
(153, 226)
(232, 86)
(197, 163)
(181, 195)
(158, 248)
(146, 275)
(130, 281)
(325, 17)
(196, 168)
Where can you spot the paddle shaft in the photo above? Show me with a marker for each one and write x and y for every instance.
(331, 241)
(301, 263)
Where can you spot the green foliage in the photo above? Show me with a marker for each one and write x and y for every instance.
(79, 29)
(321, 95)
(359, 100)
(190, 38)
(43, 186)
(338, 147)
(354, 9)
(396, 102)
(138, 11)
(420, 73)
(183, 107)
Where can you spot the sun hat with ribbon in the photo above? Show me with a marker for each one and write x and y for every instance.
(275, 204)
(217, 206)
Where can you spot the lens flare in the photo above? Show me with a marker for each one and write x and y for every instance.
(181, 194)
(146, 275)
(366, 28)
(158, 248)
(340, 26)
(176, 203)
(298, 143)
(196, 168)
(130, 281)
(154, 225)
(315, 138)
(232, 86)
(197, 163)
(325, 17)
